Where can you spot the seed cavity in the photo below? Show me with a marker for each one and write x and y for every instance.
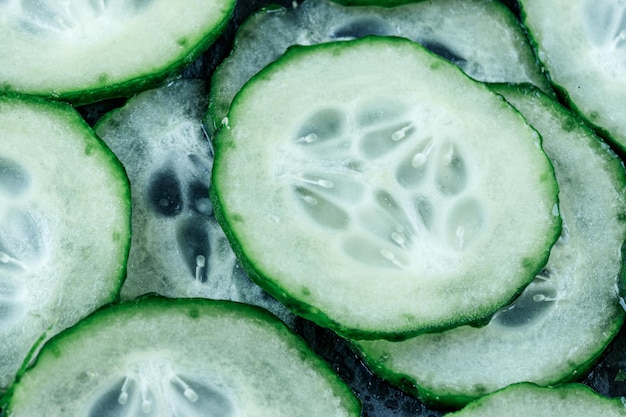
(152, 387)
(193, 242)
(358, 28)
(164, 193)
(535, 302)
(14, 178)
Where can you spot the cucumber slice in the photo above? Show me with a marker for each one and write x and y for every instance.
(583, 46)
(482, 37)
(64, 225)
(572, 400)
(563, 321)
(370, 186)
(178, 249)
(191, 357)
(84, 51)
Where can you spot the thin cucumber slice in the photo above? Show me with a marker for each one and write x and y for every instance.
(481, 37)
(563, 321)
(175, 357)
(178, 249)
(64, 225)
(84, 51)
(377, 190)
(572, 400)
(583, 46)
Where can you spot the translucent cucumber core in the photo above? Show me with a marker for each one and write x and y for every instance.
(386, 211)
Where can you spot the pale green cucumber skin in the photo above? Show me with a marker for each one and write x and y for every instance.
(300, 306)
(133, 83)
(194, 308)
(438, 398)
(96, 148)
(543, 401)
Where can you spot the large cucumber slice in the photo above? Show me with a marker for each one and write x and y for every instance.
(379, 191)
(481, 37)
(178, 249)
(184, 357)
(572, 400)
(84, 50)
(563, 321)
(583, 46)
(64, 225)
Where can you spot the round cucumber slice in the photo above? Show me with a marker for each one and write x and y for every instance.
(566, 317)
(572, 400)
(377, 190)
(64, 225)
(583, 46)
(178, 249)
(174, 357)
(482, 37)
(84, 51)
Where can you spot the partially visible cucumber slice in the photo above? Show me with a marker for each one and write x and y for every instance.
(377, 190)
(571, 400)
(482, 37)
(563, 321)
(64, 225)
(191, 357)
(178, 248)
(85, 51)
(583, 46)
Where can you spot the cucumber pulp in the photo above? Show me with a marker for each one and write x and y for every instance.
(370, 201)
(64, 225)
(85, 51)
(178, 249)
(191, 357)
(564, 320)
(496, 51)
(581, 44)
(572, 400)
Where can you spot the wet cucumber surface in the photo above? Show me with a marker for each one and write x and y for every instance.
(379, 398)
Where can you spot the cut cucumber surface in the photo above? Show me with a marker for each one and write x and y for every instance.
(178, 249)
(84, 51)
(566, 317)
(583, 46)
(377, 190)
(64, 225)
(482, 37)
(191, 357)
(572, 400)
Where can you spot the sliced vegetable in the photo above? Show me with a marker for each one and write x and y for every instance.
(371, 186)
(178, 249)
(572, 400)
(191, 357)
(84, 51)
(64, 225)
(583, 46)
(482, 37)
(566, 317)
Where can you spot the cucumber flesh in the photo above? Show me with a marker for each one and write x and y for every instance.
(64, 225)
(174, 357)
(572, 400)
(582, 45)
(85, 51)
(496, 51)
(564, 320)
(178, 249)
(378, 204)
